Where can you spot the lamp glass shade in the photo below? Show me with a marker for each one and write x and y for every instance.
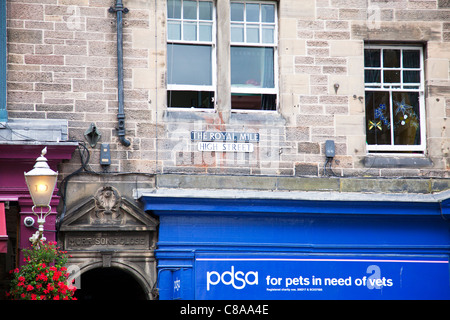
(41, 187)
(41, 181)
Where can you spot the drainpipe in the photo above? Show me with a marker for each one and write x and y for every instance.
(120, 10)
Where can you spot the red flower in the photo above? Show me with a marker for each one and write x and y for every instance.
(56, 298)
(30, 287)
(21, 279)
(42, 277)
(56, 275)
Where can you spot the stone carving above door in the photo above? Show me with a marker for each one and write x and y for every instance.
(107, 207)
(107, 210)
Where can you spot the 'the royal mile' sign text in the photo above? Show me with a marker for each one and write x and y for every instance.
(224, 136)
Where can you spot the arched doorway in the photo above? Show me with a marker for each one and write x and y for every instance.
(109, 284)
(111, 241)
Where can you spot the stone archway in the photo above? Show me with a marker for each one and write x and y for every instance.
(109, 284)
(109, 233)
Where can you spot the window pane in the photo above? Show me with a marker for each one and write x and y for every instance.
(391, 58)
(252, 34)
(268, 35)
(253, 101)
(237, 33)
(252, 12)
(189, 9)
(189, 64)
(190, 31)
(174, 9)
(268, 13)
(237, 12)
(174, 30)
(372, 58)
(378, 121)
(205, 32)
(372, 76)
(411, 76)
(252, 67)
(205, 10)
(406, 118)
(411, 59)
(190, 99)
(392, 76)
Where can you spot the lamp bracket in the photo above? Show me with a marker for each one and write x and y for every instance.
(43, 214)
(39, 235)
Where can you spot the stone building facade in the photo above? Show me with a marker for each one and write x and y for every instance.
(330, 67)
(62, 64)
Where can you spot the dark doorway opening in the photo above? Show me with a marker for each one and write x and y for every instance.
(109, 284)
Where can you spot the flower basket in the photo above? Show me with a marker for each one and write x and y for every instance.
(43, 276)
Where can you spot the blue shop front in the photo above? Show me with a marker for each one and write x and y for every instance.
(227, 245)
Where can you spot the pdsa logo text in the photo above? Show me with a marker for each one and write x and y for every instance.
(237, 279)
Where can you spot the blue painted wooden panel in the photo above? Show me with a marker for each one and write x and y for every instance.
(320, 232)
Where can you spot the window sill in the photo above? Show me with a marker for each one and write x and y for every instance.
(257, 117)
(397, 161)
(187, 114)
(236, 117)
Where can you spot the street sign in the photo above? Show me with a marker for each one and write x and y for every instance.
(256, 276)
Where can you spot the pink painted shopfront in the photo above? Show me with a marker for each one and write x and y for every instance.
(15, 201)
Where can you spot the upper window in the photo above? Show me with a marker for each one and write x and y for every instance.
(253, 55)
(192, 59)
(394, 99)
(190, 53)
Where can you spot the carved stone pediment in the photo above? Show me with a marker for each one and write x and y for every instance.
(107, 211)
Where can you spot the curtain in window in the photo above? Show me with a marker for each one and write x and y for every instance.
(252, 67)
(189, 64)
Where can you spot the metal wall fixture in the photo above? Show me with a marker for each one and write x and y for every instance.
(92, 135)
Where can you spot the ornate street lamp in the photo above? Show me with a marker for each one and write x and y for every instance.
(41, 182)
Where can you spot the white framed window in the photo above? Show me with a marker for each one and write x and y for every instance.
(253, 55)
(394, 98)
(191, 57)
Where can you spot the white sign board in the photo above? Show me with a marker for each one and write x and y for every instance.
(225, 147)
